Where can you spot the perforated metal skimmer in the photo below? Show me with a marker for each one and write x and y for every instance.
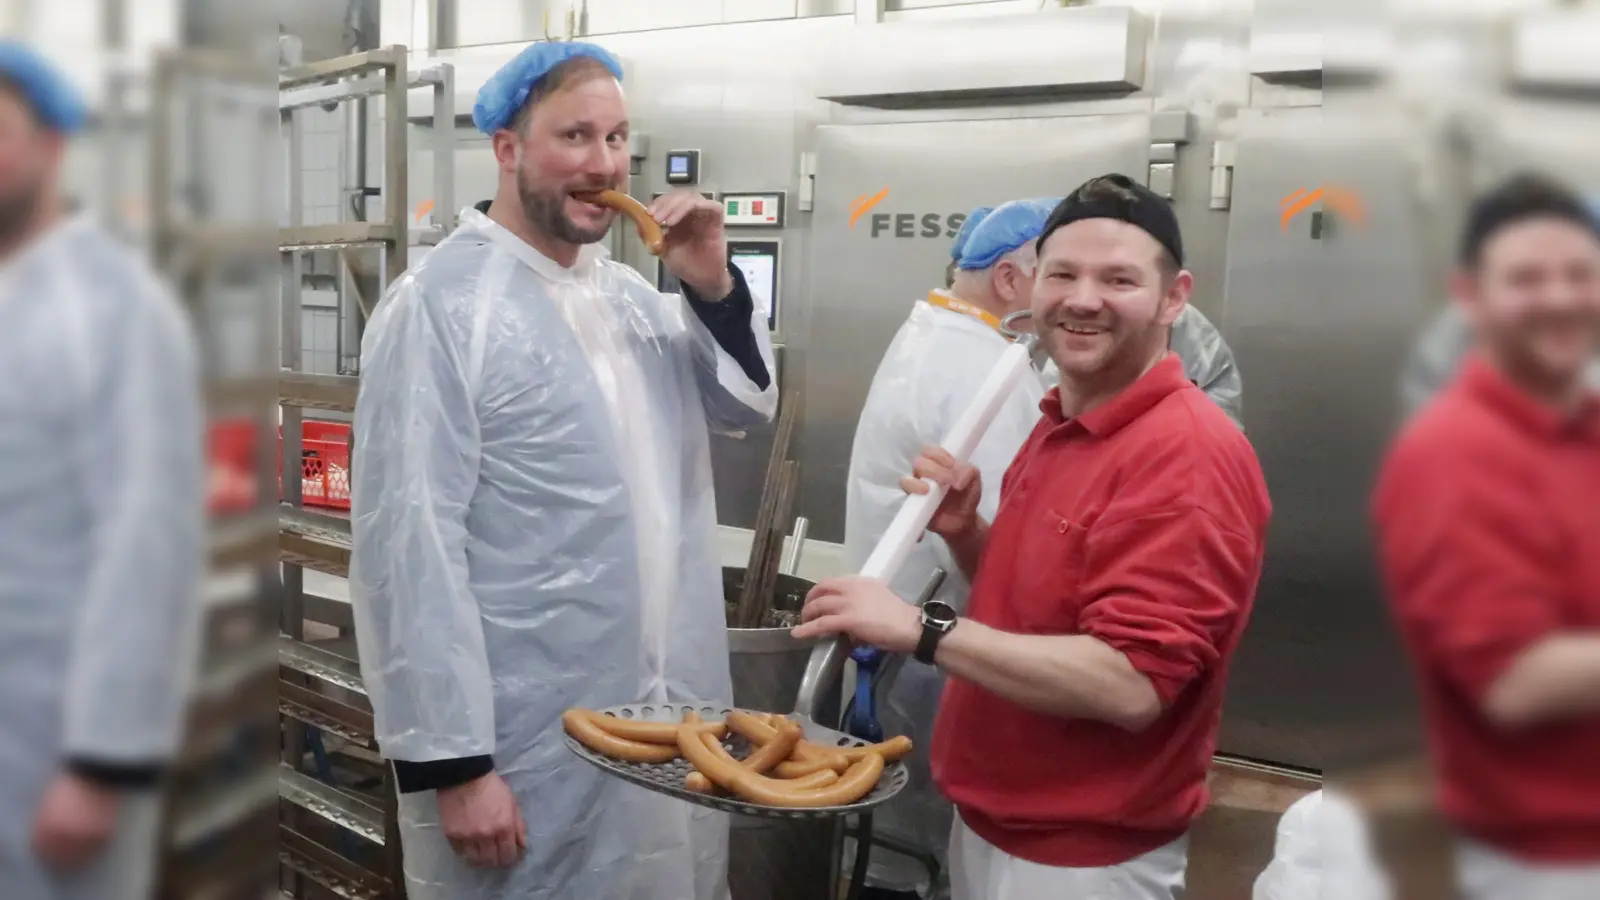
(667, 778)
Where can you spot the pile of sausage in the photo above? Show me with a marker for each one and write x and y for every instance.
(782, 770)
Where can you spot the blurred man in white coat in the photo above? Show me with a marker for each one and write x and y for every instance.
(102, 541)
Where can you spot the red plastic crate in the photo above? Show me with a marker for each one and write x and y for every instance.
(231, 466)
(324, 465)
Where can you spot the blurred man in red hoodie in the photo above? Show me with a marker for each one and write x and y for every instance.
(1488, 518)
(1086, 678)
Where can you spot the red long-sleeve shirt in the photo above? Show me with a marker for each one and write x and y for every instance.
(1141, 523)
(1488, 517)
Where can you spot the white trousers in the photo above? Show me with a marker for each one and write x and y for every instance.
(981, 871)
(1487, 874)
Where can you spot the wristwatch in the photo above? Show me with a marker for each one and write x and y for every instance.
(938, 617)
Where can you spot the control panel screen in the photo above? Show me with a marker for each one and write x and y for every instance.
(757, 261)
(683, 167)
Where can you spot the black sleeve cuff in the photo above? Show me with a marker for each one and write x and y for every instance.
(729, 321)
(119, 776)
(416, 777)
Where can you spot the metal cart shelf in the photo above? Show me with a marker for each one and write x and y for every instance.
(332, 839)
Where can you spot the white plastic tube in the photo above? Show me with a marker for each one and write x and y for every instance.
(962, 439)
(827, 660)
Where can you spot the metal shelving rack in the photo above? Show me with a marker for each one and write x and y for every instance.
(220, 802)
(320, 693)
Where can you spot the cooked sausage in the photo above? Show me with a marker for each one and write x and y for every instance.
(892, 750)
(649, 229)
(697, 781)
(665, 733)
(766, 757)
(751, 726)
(800, 768)
(838, 758)
(725, 772)
(580, 723)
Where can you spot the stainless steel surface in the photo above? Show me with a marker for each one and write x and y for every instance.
(1555, 49)
(330, 803)
(383, 59)
(1083, 49)
(773, 859)
(667, 778)
(1319, 329)
(334, 392)
(797, 546)
(320, 664)
(866, 277)
(767, 663)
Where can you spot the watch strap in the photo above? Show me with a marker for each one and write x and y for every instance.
(929, 642)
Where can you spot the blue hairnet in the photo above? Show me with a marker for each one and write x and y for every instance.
(1010, 226)
(974, 219)
(505, 91)
(56, 102)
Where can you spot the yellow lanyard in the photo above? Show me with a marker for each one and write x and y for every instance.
(962, 307)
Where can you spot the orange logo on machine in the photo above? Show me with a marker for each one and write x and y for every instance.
(423, 209)
(1341, 201)
(864, 204)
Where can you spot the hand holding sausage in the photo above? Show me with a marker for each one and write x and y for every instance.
(695, 247)
(957, 515)
(481, 821)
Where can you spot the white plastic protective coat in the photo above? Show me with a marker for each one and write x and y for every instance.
(102, 540)
(1322, 852)
(934, 366)
(1207, 361)
(534, 530)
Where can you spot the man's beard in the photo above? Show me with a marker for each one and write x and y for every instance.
(1518, 350)
(544, 209)
(17, 210)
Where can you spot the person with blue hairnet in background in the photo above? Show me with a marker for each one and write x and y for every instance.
(963, 234)
(532, 511)
(101, 521)
(935, 364)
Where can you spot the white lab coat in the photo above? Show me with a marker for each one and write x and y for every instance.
(534, 530)
(934, 366)
(1207, 361)
(102, 540)
(1322, 852)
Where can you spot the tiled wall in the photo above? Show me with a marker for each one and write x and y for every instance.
(322, 154)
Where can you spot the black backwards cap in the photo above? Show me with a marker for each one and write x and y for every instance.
(1519, 199)
(1117, 196)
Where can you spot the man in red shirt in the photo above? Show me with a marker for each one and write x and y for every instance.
(1488, 519)
(1086, 680)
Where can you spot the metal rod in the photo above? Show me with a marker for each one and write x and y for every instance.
(797, 544)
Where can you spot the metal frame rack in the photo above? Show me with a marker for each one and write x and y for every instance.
(320, 694)
(220, 801)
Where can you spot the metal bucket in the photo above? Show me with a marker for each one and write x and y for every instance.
(777, 859)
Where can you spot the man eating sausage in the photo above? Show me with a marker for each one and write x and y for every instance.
(1086, 677)
(1488, 520)
(533, 518)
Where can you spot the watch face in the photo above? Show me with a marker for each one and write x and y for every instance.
(939, 612)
